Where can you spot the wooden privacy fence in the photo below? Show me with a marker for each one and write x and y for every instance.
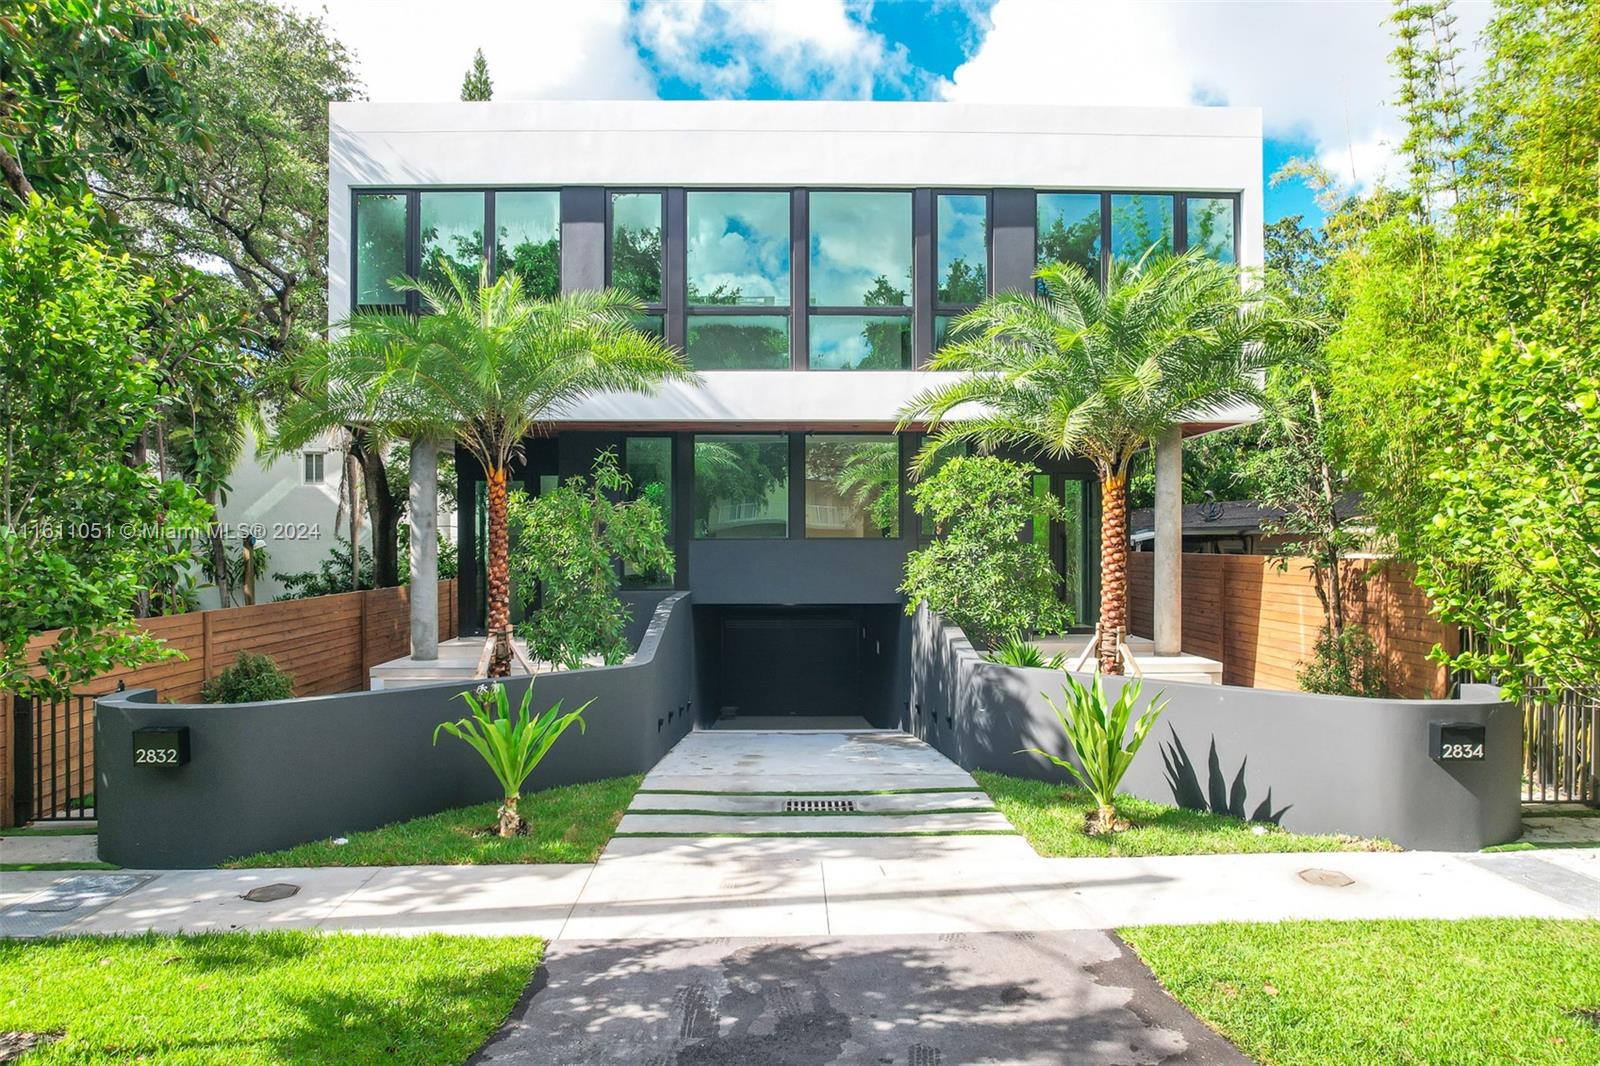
(327, 643)
(1261, 620)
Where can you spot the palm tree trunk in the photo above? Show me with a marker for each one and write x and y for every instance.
(499, 575)
(1113, 567)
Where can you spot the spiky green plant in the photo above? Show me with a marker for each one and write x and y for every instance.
(1016, 651)
(513, 746)
(1097, 734)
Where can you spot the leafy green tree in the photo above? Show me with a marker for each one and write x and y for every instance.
(83, 532)
(84, 85)
(476, 85)
(487, 366)
(1081, 371)
(248, 679)
(979, 573)
(569, 541)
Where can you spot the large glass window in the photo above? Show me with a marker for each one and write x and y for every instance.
(860, 260)
(1141, 223)
(1068, 230)
(527, 227)
(852, 485)
(380, 238)
(963, 249)
(452, 236)
(737, 342)
(741, 486)
(1208, 226)
(647, 461)
(860, 342)
(636, 244)
(860, 249)
(738, 248)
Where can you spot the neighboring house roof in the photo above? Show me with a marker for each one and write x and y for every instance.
(1228, 518)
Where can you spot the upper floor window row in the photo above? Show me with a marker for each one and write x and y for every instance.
(747, 261)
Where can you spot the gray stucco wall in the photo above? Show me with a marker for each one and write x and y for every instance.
(1330, 764)
(271, 775)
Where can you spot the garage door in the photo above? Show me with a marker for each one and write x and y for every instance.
(791, 664)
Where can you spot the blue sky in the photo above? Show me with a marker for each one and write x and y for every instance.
(1317, 68)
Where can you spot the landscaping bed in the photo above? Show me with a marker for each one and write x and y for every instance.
(263, 998)
(572, 823)
(1485, 991)
(1052, 819)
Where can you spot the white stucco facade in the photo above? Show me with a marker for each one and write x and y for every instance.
(742, 144)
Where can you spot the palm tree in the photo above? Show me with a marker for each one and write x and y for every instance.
(1100, 374)
(488, 366)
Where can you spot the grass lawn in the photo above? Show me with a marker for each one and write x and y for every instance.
(567, 824)
(281, 997)
(1051, 818)
(1485, 991)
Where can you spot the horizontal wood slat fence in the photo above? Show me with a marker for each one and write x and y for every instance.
(327, 643)
(1262, 622)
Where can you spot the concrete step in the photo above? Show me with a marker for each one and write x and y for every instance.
(901, 804)
(820, 784)
(811, 825)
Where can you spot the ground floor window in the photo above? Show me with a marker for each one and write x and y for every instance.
(852, 485)
(647, 462)
(741, 486)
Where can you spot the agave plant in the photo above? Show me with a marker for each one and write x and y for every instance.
(513, 746)
(1016, 651)
(1097, 733)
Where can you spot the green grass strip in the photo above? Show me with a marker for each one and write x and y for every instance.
(842, 833)
(1543, 845)
(25, 867)
(822, 814)
(816, 792)
(50, 831)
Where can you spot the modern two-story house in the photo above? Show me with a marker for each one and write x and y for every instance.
(807, 258)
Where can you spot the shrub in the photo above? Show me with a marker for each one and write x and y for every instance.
(1097, 733)
(979, 574)
(512, 746)
(249, 679)
(1346, 663)
(1016, 651)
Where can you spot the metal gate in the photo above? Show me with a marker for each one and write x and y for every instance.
(53, 759)
(1561, 738)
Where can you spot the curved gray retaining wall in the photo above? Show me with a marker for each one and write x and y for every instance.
(1323, 764)
(271, 775)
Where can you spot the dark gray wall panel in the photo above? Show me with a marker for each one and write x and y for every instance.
(1338, 764)
(798, 571)
(583, 238)
(271, 775)
(1013, 240)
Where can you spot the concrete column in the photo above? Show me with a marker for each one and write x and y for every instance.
(424, 512)
(1168, 591)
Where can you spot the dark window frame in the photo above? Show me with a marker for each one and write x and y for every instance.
(492, 193)
(659, 191)
(900, 482)
(1103, 264)
(906, 310)
(1178, 237)
(688, 311)
(1180, 221)
(940, 307)
(412, 196)
(793, 458)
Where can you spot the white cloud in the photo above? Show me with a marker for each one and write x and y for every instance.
(1319, 70)
(804, 47)
(418, 50)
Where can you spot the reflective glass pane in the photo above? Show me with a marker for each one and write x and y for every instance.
(380, 248)
(636, 244)
(737, 342)
(941, 330)
(1139, 223)
(527, 239)
(852, 486)
(452, 236)
(741, 486)
(963, 244)
(738, 248)
(655, 325)
(860, 249)
(647, 461)
(1069, 230)
(860, 342)
(1209, 226)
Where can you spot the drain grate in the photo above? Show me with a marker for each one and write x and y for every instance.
(823, 806)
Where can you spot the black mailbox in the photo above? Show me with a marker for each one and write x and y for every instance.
(165, 747)
(1456, 741)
